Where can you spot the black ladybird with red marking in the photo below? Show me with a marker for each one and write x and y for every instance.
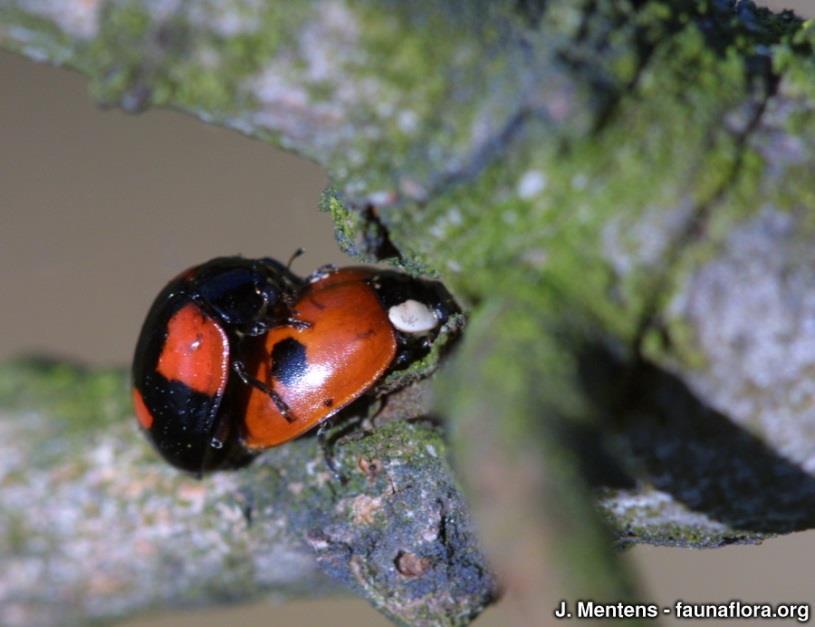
(185, 370)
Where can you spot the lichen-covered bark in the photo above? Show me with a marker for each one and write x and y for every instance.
(94, 526)
(619, 193)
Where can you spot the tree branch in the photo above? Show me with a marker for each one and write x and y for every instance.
(95, 526)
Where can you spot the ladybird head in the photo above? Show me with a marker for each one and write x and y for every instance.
(414, 306)
(247, 295)
(417, 309)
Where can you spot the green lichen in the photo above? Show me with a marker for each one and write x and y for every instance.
(16, 534)
(406, 60)
(750, 187)
(115, 59)
(427, 365)
(792, 59)
(219, 88)
(43, 38)
(399, 441)
(138, 59)
(356, 234)
(518, 393)
(651, 155)
(85, 399)
(644, 526)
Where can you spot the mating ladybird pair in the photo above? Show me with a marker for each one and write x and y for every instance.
(237, 355)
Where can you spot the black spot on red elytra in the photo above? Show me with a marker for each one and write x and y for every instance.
(289, 361)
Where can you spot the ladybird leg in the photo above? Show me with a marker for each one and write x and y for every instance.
(280, 404)
(402, 357)
(259, 327)
(321, 272)
(326, 444)
(262, 290)
(294, 321)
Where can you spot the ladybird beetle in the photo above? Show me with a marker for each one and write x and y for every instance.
(360, 323)
(211, 389)
(190, 346)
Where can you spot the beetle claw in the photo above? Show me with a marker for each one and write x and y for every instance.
(327, 447)
(300, 325)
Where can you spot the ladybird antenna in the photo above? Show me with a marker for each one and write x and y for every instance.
(297, 253)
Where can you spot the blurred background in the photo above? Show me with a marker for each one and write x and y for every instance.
(99, 209)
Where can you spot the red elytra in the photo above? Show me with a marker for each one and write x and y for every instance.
(318, 370)
(196, 352)
(143, 415)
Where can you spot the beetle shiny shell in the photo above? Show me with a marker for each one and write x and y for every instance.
(319, 370)
(183, 383)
